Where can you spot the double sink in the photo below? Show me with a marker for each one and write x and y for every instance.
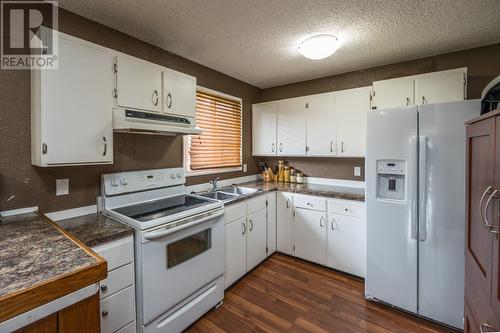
(228, 194)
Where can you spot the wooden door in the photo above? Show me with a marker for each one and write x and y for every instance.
(256, 238)
(310, 235)
(495, 216)
(77, 104)
(179, 94)
(264, 117)
(82, 317)
(236, 251)
(351, 108)
(292, 127)
(138, 84)
(479, 241)
(44, 325)
(440, 87)
(321, 136)
(284, 222)
(393, 93)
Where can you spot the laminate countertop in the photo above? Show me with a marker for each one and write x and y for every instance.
(328, 191)
(95, 229)
(36, 255)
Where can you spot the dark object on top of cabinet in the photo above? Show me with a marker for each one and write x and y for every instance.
(490, 98)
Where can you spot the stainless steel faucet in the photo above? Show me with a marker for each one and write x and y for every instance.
(214, 183)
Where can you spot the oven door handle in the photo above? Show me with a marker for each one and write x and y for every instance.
(183, 224)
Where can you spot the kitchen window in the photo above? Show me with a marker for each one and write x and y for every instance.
(218, 148)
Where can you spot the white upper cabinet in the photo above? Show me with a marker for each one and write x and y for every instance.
(351, 108)
(440, 87)
(179, 94)
(393, 93)
(436, 87)
(71, 107)
(264, 117)
(320, 119)
(138, 84)
(292, 127)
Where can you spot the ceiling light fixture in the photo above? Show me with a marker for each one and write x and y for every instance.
(319, 46)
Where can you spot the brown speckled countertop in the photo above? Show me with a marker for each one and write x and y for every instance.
(328, 191)
(34, 251)
(95, 229)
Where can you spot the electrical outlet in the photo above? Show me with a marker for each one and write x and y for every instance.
(62, 186)
(357, 171)
(245, 168)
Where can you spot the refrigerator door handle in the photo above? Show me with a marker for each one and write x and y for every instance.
(422, 216)
(414, 189)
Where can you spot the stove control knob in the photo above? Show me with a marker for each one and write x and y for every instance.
(123, 181)
(172, 175)
(114, 182)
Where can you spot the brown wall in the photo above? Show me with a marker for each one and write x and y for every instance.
(483, 65)
(23, 185)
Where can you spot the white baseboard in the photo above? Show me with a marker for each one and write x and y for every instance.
(70, 213)
(19, 211)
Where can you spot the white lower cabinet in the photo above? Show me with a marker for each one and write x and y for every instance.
(236, 251)
(246, 230)
(284, 212)
(310, 235)
(117, 291)
(271, 223)
(330, 232)
(256, 238)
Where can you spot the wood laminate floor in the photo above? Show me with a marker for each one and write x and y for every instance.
(285, 294)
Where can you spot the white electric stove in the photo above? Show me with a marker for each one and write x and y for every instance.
(179, 246)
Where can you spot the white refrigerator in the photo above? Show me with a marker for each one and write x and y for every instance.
(415, 189)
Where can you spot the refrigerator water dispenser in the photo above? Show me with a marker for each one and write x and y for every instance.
(391, 179)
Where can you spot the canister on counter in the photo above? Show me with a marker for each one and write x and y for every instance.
(293, 177)
(286, 174)
(300, 177)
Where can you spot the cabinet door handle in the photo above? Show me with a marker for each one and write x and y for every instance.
(104, 313)
(281, 147)
(272, 147)
(322, 222)
(251, 225)
(491, 227)
(331, 146)
(485, 327)
(105, 146)
(287, 203)
(334, 224)
(168, 100)
(423, 99)
(244, 228)
(407, 101)
(481, 202)
(155, 98)
(104, 288)
(342, 146)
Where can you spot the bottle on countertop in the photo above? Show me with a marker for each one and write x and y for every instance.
(300, 177)
(293, 177)
(286, 174)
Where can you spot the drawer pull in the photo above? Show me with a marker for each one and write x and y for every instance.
(105, 313)
(104, 288)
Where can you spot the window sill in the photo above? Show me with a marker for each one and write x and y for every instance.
(190, 173)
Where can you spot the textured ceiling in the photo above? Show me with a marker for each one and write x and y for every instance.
(256, 40)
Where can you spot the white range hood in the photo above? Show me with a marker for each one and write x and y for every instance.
(152, 123)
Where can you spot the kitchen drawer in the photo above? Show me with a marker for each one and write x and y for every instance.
(309, 202)
(255, 204)
(234, 212)
(347, 207)
(117, 310)
(117, 253)
(130, 328)
(117, 279)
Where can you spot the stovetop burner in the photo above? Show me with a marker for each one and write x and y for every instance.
(152, 210)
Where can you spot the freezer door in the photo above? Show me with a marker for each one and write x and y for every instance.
(391, 274)
(442, 209)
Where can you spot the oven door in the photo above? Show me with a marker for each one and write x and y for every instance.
(177, 262)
